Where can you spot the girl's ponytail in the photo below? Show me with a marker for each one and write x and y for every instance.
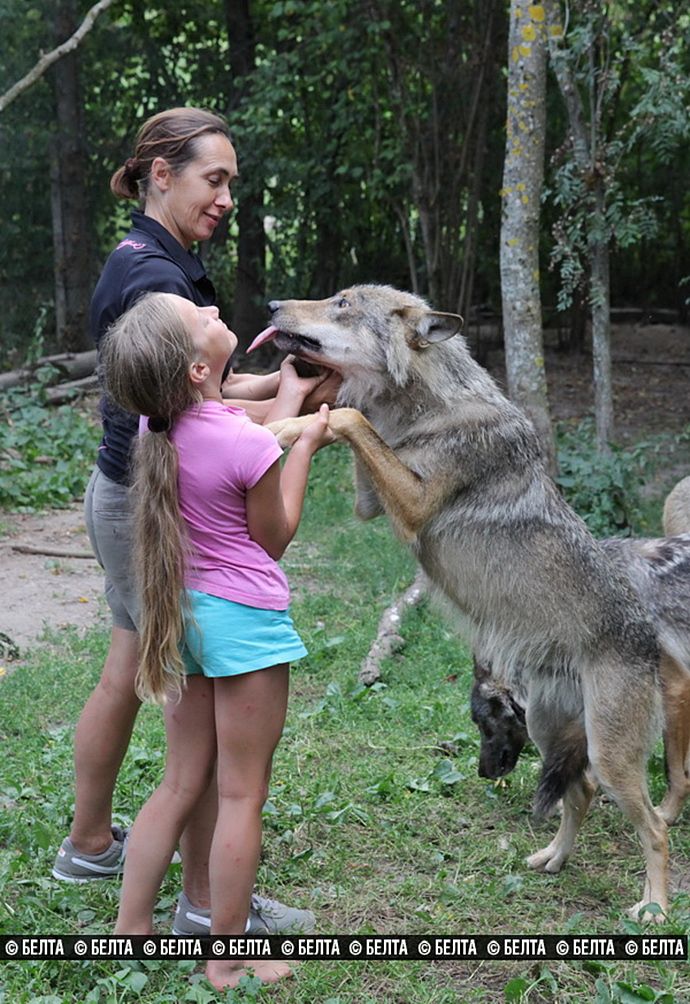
(145, 362)
(159, 546)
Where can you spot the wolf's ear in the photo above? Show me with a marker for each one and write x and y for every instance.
(428, 326)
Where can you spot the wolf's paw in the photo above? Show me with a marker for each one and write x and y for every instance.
(641, 913)
(550, 859)
(287, 430)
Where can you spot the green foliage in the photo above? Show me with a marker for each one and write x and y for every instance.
(604, 488)
(629, 69)
(46, 453)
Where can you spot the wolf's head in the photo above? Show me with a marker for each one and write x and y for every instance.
(368, 328)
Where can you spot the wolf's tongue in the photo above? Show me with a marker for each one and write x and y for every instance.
(267, 335)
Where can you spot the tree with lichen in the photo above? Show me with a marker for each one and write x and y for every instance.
(523, 175)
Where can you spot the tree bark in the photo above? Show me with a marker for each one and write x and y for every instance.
(71, 229)
(522, 186)
(601, 325)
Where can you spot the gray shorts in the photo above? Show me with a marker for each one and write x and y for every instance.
(108, 514)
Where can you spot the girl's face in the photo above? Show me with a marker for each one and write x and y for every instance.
(192, 203)
(212, 338)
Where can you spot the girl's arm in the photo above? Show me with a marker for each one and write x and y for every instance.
(282, 394)
(274, 504)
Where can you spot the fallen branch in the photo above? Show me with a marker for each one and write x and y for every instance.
(51, 552)
(388, 639)
(65, 392)
(73, 365)
(52, 57)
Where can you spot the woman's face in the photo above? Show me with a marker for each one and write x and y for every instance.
(192, 203)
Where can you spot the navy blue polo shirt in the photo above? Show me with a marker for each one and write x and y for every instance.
(148, 259)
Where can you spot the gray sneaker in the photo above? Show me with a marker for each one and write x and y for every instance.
(266, 916)
(72, 866)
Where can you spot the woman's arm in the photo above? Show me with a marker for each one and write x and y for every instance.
(250, 386)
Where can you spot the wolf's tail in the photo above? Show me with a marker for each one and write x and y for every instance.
(564, 762)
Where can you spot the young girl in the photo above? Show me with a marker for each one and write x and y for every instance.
(214, 513)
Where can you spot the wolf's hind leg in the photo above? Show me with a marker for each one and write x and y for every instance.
(575, 804)
(676, 691)
(620, 733)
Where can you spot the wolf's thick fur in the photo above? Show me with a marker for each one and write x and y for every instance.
(458, 470)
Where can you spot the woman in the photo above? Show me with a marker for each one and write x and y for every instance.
(182, 171)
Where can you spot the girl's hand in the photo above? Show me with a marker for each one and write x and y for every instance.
(317, 432)
(325, 392)
(293, 387)
(292, 391)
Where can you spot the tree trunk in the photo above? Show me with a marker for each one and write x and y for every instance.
(522, 186)
(601, 325)
(249, 308)
(585, 156)
(70, 212)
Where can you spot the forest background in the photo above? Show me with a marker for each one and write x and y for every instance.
(372, 147)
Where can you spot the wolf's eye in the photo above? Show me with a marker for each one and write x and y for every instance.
(342, 302)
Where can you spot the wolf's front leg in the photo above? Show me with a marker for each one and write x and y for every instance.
(409, 500)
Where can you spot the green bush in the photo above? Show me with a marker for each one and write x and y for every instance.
(46, 453)
(604, 489)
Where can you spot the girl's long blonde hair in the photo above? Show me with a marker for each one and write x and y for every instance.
(145, 360)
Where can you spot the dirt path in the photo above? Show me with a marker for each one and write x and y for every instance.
(39, 591)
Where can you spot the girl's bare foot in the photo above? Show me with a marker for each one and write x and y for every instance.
(222, 974)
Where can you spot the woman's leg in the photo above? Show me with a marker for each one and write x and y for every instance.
(250, 713)
(191, 750)
(101, 740)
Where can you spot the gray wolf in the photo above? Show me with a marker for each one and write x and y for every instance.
(659, 572)
(458, 470)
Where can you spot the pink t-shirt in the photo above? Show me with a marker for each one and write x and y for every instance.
(222, 453)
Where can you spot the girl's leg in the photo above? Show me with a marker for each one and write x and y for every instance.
(250, 713)
(191, 750)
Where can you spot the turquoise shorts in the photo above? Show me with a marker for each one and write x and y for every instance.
(223, 638)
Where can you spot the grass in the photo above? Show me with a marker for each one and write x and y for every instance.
(376, 817)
